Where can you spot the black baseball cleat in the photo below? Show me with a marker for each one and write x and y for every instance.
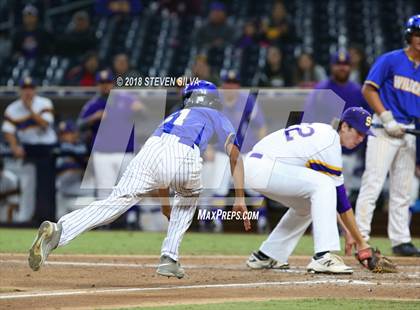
(405, 249)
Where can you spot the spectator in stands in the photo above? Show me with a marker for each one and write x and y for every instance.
(118, 7)
(31, 40)
(121, 66)
(276, 72)
(277, 30)
(249, 36)
(6, 44)
(9, 194)
(71, 165)
(202, 70)
(79, 38)
(181, 7)
(84, 75)
(28, 128)
(340, 83)
(215, 32)
(359, 64)
(307, 73)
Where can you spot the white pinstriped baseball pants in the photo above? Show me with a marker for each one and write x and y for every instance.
(162, 162)
(396, 156)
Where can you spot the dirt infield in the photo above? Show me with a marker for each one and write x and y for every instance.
(81, 282)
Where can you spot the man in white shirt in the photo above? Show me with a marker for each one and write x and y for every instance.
(28, 128)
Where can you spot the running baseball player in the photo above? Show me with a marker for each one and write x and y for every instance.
(301, 167)
(392, 89)
(171, 158)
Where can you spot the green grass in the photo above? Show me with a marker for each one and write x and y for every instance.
(124, 242)
(324, 304)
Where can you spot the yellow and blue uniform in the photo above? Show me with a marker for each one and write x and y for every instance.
(397, 79)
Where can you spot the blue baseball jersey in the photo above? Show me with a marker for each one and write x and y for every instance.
(198, 125)
(397, 79)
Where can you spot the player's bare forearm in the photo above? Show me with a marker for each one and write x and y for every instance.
(39, 120)
(237, 170)
(350, 224)
(372, 97)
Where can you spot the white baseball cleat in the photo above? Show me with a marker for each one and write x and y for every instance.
(170, 268)
(258, 260)
(46, 240)
(329, 263)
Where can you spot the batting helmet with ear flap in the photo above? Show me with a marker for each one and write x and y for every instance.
(413, 25)
(201, 94)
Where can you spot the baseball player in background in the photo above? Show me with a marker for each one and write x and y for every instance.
(301, 167)
(28, 129)
(171, 158)
(392, 89)
(70, 169)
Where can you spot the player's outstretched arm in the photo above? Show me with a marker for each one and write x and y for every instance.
(349, 240)
(350, 225)
(237, 170)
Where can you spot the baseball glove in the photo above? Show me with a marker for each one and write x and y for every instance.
(374, 261)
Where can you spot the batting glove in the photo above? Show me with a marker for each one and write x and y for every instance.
(391, 126)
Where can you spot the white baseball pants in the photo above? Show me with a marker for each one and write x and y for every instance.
(162, 162)
(397, 156)
(310, 197)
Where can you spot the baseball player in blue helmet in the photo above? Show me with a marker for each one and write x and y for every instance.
(202, 93)
(392, 90)
(412, 27)
(170, 159)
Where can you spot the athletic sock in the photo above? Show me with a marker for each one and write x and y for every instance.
(262, 256)
(320, 254)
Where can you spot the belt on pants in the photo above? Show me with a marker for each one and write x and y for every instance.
(185, 141)
(256, 155)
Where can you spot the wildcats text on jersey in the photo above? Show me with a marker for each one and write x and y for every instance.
(406, 84)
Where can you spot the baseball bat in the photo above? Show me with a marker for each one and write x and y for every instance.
(410, 131)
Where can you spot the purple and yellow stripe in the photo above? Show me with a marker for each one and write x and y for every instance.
(322, 167)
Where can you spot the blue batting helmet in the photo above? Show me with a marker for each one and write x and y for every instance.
(201, 94)
(413, 24)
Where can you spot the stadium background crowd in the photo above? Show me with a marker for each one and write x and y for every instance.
(266, 43)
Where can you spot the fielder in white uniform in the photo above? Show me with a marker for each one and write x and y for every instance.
(28, 129)
(301, 167)
(169, 159)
